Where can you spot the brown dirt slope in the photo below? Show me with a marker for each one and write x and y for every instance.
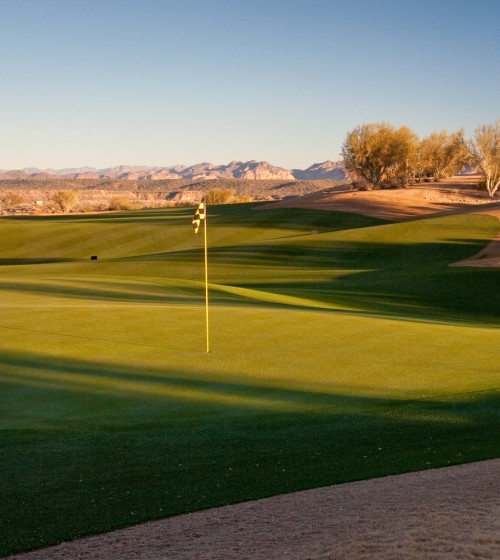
(440, 513)
(450, 196)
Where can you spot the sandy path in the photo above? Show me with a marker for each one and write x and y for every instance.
(450, 196)
(451, 513)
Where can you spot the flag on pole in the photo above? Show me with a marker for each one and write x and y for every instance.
(199, 215)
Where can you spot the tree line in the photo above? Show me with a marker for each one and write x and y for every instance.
(380, 155)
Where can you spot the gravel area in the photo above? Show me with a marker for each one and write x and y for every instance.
(452, 512)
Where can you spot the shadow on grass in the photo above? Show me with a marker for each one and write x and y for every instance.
(105, 291)
(399, 280)
(404, 280)
(89, 446)
(161, 383)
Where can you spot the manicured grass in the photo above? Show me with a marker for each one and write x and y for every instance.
(340, 356)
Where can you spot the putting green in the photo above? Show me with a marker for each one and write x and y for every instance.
(353, 353)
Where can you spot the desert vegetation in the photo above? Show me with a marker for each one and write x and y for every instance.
(484, 149)
(98, 195)
(219, 196)
(9, 200)
(123, 203)
(441, 154)
(378, 155)
(65, 200)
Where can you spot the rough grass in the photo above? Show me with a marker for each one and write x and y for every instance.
(345, 355)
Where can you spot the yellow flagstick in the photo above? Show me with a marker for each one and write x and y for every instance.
(206, 273)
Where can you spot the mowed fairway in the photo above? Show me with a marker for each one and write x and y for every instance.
(345, 355)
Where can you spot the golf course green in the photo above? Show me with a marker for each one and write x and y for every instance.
(353, 353)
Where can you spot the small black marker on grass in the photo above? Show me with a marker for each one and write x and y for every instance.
(93, 258)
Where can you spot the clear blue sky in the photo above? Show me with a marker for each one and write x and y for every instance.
(150, 82)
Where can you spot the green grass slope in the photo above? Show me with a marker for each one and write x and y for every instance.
(349, 354)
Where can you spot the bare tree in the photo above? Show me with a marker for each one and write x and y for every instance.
(379, 153)
(484, 149)
(65, 200)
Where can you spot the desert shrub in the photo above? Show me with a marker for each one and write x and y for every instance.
(242, 198)
(152, 204)
(100, 206)
(359, 186)
(123, 203)
(219, 196)
(11, 199)
(184, 203)
(85, 207)
(65, 200)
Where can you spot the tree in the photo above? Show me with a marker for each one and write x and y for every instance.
(11, 199)
(442, 154)
(484, 150)
(406, 157)
(379, 153)
(65, 200)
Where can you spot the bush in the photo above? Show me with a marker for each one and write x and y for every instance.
(242, 198)
(65, 200)
(11, 199)
(122, 203)
(100, 206)
(85, 207)
(219, 196)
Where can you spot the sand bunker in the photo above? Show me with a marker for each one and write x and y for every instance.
(440, 513)
(450, 196)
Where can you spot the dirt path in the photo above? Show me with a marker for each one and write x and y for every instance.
(440, 513)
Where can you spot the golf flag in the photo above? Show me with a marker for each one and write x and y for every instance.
(199, 215)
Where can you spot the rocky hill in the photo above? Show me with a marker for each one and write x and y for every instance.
(325, 170)
(251, 170)
(97, 192)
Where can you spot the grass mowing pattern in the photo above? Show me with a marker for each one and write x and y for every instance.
(359, 353)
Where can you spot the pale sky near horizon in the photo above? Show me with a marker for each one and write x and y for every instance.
(151, 82)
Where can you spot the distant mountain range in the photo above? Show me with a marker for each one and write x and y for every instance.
(202, 171)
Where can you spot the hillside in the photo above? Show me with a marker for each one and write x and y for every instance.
(161, 191)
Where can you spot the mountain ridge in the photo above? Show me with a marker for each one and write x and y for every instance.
(250, 170)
